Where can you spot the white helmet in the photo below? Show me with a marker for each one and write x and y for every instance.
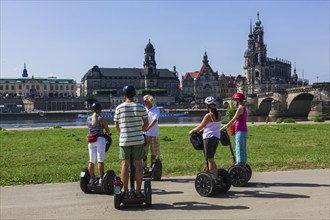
(210, 101)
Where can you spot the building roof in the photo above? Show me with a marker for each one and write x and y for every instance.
(49, 80)
(130, 73)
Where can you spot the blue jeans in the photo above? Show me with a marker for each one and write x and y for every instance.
(240, 141)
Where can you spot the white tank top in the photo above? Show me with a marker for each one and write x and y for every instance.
(212, 129)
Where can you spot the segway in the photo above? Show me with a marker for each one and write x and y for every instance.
(131, 199)
(206, 183)
(155, 171)
(240, 174)
(108, 178)
(107, 184)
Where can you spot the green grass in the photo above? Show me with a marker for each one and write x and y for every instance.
(57, 155)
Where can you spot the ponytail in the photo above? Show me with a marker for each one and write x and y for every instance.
(94, 119)
(214, 111)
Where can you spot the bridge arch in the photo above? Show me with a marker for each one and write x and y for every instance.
(264, 106)
(299, 105)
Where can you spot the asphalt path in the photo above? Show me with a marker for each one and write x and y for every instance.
(302, 194)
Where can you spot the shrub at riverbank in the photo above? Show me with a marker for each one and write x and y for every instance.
(57, 155)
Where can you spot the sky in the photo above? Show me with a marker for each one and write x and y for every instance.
(65, 39)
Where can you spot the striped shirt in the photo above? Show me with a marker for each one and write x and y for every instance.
(129, 116)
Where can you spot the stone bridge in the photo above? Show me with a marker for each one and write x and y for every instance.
(306, 101)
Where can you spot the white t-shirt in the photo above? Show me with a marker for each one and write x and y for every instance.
(153, 113)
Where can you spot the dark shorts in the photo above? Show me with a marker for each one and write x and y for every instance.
(210, 146)
(137, 152)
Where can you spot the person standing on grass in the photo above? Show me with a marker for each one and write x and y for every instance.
(240, 122)
(96, 124)
(131, 120)
(152, 133)
(210, 126)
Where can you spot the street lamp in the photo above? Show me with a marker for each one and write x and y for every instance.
(110, 105)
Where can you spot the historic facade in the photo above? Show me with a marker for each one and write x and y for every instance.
(37, 87)
(264, 74)
(148, 77)
(198, 85)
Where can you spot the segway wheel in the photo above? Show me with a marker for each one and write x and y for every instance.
(84, 180)
(238, 175)
(249, 171)
(117, 200)
(157, 170)
(226, 181)
(107, 183)
(147, 193)
(205, 184)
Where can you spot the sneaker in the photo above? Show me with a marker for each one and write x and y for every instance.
(139, 195)
(91, 181)
(100, 181)
(124, 195)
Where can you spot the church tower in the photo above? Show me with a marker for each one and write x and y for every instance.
(25, 74)
(255, 58)
(264, 74)
(149, 61)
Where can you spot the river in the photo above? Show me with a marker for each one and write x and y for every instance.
(44, 122)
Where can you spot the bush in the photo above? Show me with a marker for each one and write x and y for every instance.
(318, 118)
(289, 120)
(279, 120)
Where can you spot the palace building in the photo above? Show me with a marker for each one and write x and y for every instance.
(198, 85)
(147, 78)
(37, 87)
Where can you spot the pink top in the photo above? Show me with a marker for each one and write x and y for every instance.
(240, 124)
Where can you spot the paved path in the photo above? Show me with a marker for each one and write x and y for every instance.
(303, 194)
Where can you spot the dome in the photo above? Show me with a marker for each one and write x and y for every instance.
(149, 48)
(247, 52)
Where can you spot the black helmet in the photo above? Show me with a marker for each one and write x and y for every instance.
(129, 91)
(96, 106)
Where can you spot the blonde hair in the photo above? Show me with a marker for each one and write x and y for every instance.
(149, 98)
(94, 119)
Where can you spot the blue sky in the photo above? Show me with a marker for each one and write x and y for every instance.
(67, 38)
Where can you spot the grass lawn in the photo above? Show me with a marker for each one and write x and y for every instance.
(57, 155)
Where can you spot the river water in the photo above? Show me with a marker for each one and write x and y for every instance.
(42, 122)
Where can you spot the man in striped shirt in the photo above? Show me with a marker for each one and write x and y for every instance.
(131, 119)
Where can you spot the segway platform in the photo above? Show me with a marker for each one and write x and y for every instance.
(206, 183)
(240, 174)
(106, 187)
(155, 171)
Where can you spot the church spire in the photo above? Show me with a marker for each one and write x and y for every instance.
(25, 74)
(205, 60)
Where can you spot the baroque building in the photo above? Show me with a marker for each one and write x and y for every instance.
(37, 87)
(146, 78)
(198, 85)
(264, 74)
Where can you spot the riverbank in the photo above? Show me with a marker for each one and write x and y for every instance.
(162, 125)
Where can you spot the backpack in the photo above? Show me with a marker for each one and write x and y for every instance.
(196, 139)
(224, 138)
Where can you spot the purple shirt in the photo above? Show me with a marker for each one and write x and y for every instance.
(240, 124)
